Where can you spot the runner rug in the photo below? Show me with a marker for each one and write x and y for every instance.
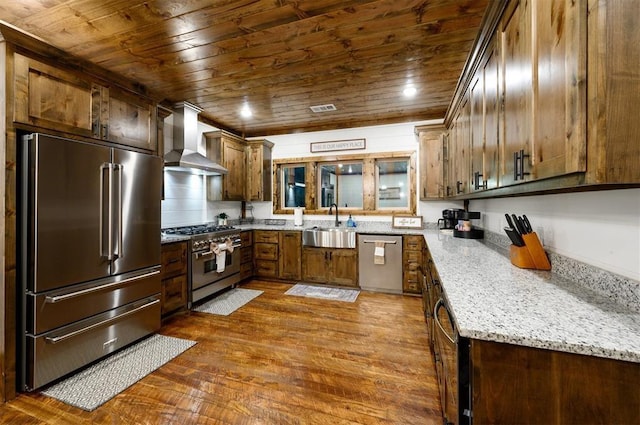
(323, 292)
(228, 302)
(94, 386)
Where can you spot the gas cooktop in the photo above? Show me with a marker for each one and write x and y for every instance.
(197, 229)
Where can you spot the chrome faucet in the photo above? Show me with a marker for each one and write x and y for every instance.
(330, 211)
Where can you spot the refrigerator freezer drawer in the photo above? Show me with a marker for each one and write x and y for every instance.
(57, 353)
(53, 309)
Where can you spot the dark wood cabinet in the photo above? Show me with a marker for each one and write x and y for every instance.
(246, 254)
(63, 100)
(265, 253)
(432, 165)
(174, 295)
(127, 119)
(49, 97)
(289, 255)
(412, 261)
(230, 151)
(259, 170)
(330, 266)
(516, 384)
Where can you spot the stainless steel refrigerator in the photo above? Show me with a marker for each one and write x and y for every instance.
(89, 253)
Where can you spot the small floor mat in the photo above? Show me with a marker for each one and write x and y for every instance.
(228, 302)
(94, 386)
(323, 292)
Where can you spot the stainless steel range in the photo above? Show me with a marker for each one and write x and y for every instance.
(215, 258)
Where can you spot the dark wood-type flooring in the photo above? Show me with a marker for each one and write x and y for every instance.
(278, 360)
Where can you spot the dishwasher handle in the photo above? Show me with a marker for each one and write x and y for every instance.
(379, 241)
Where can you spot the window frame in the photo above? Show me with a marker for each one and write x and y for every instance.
(370, 182)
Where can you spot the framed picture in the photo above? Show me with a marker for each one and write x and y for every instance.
(338, 145)
(389, 193)
(407, 222)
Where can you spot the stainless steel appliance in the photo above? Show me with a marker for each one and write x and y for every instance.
(384, 275)
(215, 258)
(89, 253)
(449, 218)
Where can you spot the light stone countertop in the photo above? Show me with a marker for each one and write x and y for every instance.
(493, 300)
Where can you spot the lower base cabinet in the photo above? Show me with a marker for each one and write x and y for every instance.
(487, 382)
(516, 384)
(174, 294)
(331, 266)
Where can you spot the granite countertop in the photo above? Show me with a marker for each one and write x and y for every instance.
(493, 300)
(164, 238)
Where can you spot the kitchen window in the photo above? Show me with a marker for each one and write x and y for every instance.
(340, 183)
(392, 183)
(368, 184)
(293, 186)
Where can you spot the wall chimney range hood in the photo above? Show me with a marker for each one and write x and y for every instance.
(184, 156)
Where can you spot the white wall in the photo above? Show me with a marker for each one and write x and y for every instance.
(383, 138)
(599, 228)
(185, 197)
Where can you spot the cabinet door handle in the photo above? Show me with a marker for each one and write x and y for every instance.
(518, 165)
(458, 186)
(437, 307)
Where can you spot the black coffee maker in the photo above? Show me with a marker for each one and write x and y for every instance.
(449, 218)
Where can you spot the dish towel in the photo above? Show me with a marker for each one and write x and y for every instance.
(378, 253)
(220, 250)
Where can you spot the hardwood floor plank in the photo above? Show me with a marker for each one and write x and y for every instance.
(280, 359)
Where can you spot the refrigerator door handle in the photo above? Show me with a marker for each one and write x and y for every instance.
(118, 250)
(110, 249)
(105, 250)
(52, 299)
(57, 339)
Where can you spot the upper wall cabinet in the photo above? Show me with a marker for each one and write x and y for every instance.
(530, 125)
(62, 100)
(432, 165)
(230, 151)
(127, 119)
(544, 89)
(49, 97)
(259, 170)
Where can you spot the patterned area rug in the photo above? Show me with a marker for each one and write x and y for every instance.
(228, 302)
(323, 292)
(94, 386)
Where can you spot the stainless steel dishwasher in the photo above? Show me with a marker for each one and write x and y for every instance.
(380, 263)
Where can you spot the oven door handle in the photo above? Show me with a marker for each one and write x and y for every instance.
(57, 339)
(57, 298)
(199, 255)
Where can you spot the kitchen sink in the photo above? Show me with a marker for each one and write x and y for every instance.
(329, 237)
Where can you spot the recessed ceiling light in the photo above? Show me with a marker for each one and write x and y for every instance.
(409, 91)
(245, 112)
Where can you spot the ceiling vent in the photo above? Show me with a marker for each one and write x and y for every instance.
(323, 108)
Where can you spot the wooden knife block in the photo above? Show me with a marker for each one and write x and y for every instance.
(531, 255)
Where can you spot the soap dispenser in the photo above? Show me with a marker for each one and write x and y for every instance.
(351, 222)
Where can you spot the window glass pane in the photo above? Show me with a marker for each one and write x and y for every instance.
(393, 184)
(340, 183)
(293, 187)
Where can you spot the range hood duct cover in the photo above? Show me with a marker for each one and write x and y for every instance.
(184, 156)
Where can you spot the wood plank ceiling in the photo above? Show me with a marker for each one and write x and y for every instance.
(279, 57)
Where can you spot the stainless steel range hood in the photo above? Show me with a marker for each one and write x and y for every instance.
(184, 156)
